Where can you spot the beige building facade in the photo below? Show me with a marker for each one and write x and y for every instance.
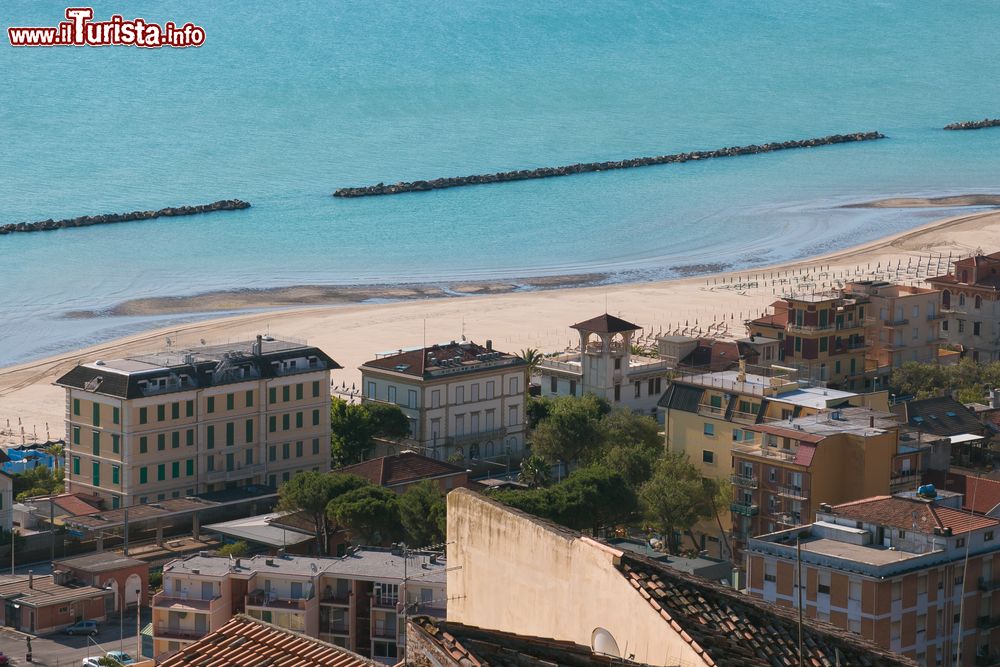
(186, 422)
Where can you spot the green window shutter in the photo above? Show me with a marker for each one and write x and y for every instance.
(76, 465)
(116, 415)
(249, 430)
(250, 398)
(97, 443)
(161, 441)
(210, 436)
(286, 419)
(175, 469)
(76, 407)
(315, 417)
(143, 475)
(316, 389)
(249, 457)
(115, 472)
(161, 472)
(115, 443)
(161, 412)
(143, 415)
(97, 414)
(285, 451)
(298, 392)
(175, 410)
(315, 446)
(175, 439)
(190, 408)
(230, 401)
(286, 393)
(96, 473)
(298, 449)
(298, 420)
(210, 404)
(190, 467)
(230, 434)
(272, 423)
(716, 401)
(190, 437)
(143, 444)
(272, 395)
(76, 435)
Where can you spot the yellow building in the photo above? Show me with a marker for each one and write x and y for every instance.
(184, 422)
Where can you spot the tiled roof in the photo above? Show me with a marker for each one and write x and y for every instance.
(470, 646)
(713, 355)
(402, 468)
(44, 592)
(779, 319)
(74, 505)
(980, 494)
(733, 630)
(605, 324)
(794, 434)
(422, 360)
(912, 514)
(939, 416)
(246, 642)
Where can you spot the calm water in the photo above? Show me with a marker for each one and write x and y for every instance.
(282, 107)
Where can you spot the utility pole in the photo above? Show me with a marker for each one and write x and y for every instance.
(138, 625)
(798, 577)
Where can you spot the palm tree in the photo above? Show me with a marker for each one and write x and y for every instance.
(532, 357)
(535, 471)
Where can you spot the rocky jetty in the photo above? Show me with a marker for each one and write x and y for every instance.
(548, 172)
(107, 219)
(974, 124)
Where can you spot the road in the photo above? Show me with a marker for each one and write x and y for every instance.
(60, 650)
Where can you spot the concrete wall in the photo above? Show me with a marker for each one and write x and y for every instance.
(513, 573)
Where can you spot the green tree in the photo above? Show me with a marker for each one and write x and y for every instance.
(675, 498)
(920, 380)
(535, 471)
(572, 430)
(423, 514)
(536, 410)
(353, 425)
(311, 492)
(369, 513)
(388, 421)
(236, 549)
(632, 445)
(39, 481)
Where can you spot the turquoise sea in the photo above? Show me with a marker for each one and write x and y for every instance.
(287, 101)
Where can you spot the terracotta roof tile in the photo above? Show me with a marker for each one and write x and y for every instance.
(402, 468)
(247, 641)
(419, 362)
(912, 514)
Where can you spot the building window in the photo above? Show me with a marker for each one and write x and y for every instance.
(572, 387)
(210, 436)
(96, 440)
(709, 429)
(961, 298)
(76, 465)
(161, 412)
(190, 437)
(175, 410)
(315, 417)
(638, 389)
(988, 536)
(272, 455)
(230, 401)
(143, 445)
(514, 416)
(97, 414)
(961, 326)
(272, 423)
(490, 390)
(298, 449)
(115, 471)
(960, 542)
(707, 456)
(411, 398)
(975, 328)
(618, 392)
(514, 385)
(175, 439)
(76, 407)
(618, 363)
(161, 441)
(436, 398)
(286, 451)
(115, 443)
(315, 387)
(96, 473)
(161, 472)
(190, 466)
(230, 434)
(798, 344)
(175, 469)
(286, 393)
(272, 395)
(554, 385)
(143, 415)
(286, 421)
(189, 408)
(371, 391)
(116, 415)
(210, 404)
(298, 391)
(315, 446)
(824, 343)
(391, 394)
(143, 475)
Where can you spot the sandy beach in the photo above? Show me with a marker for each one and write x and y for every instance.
(352, 333)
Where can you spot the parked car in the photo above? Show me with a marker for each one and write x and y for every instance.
(82, 628)
(122, 658)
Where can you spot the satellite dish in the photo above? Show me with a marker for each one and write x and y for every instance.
(602, 641)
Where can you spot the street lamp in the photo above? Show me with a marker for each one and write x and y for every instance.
(138, 629)
(121, 615)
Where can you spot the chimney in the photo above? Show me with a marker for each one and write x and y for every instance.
(871, 421)
(995, 398)
(489, 345)
(31, 579)
(258, 346)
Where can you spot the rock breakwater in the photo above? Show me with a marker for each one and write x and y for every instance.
(974, 124)
(549, 172)
(110, 218)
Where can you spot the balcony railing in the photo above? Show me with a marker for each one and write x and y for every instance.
(745, 509)
(787, 519)
(384, 603)
(429, 610)
(163, 600)
(259, 598)
(384, 632)
(766, 452)
(336, 598)
(744, 481)
(987, 585)
(989, 622)
(336, 629)
(481, 436)
(790, 492)
(236, 474)
(299, 368)
(164, 631)
(900, 322)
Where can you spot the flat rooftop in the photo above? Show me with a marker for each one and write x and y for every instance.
(856, 421)
(868, 555)
(171, 358)
(788, 390)
(104, 561)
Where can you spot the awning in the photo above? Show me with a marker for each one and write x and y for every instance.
(258, 529)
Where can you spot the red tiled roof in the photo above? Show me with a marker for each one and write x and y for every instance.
(792, 433)
(913, 514)
(74, 504)
(804, 455)
(402, 468)
(417, 362)
(247, 641)
(606, 324)
(980, 494)
(779, 319)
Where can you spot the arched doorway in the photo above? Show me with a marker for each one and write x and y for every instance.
(113, 604)
(133, 590)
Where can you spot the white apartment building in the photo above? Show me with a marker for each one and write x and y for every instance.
(464, 401)
(358, 601)
(604, 365)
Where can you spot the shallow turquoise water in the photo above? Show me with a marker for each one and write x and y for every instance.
(285, 104)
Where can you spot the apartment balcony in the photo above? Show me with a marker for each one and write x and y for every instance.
(428, 610)
(163, 601)
(900, 322)
(173, 633)
(708, 410)
(903, 481)
(744, 481)
(774, 453)
(987, 585)
(236, 474)
(792, 492)
(335, 629)
(787, 519)
(269, 599)
(988, 622)
(470, 438)
(343, 599)
(572, 367)
(384, 603)
(299, 368)
(380, 631)
(744, 509)
(821, 328)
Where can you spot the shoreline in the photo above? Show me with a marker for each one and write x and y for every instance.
(354, 332)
